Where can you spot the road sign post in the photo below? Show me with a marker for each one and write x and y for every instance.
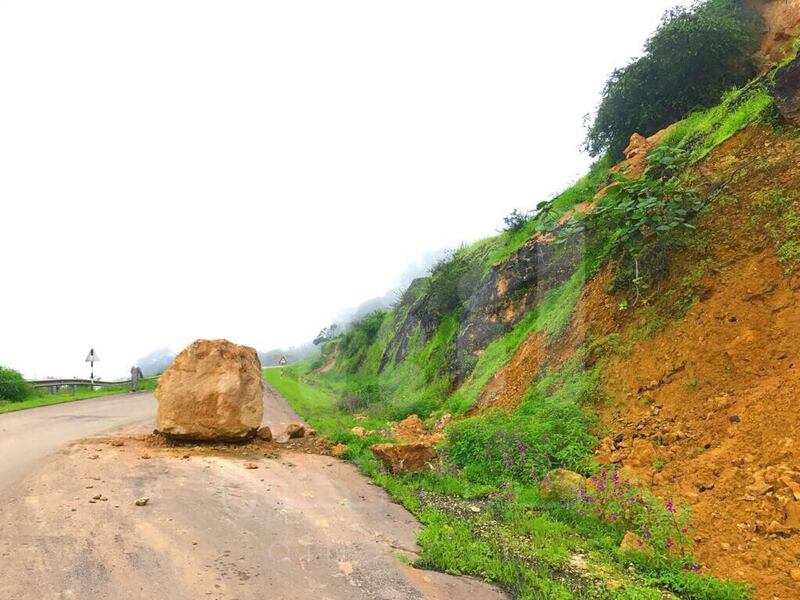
(91, 358)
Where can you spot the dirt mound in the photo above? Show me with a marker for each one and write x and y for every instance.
(706, 409)
(704, 379)
(508, 385)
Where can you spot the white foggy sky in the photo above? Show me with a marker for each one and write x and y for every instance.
(176, 170)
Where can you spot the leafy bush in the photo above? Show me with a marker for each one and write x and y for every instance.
(515, 220)
(692, 58)
(637, 219)
(499, 446)
(614, 500)
(13, 388)
(326, 334)
(359, 394)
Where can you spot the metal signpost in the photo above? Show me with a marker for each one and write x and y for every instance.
(91, 358)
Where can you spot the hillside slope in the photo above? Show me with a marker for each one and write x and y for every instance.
(641, 329)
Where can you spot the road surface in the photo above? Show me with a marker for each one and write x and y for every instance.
(298, 526)
(28, 436)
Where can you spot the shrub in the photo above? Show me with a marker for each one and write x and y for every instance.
(693, 57)
(498, 446)
(619, 504)
(13, 388)
(359, 394)
(515, 220)
(362, 333)
(640, 219)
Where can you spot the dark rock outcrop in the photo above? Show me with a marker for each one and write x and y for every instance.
(508, 291)
(787, 91)
(415, 313)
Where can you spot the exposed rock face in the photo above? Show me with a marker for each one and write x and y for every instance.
(405, 458)
(508, 291)
(781, 23)
(787, 91)
(415, 314)
(501, 298)
(561, 484)
(213, 391)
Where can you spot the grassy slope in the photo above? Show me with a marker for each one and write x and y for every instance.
(486, 544)
(43, 397)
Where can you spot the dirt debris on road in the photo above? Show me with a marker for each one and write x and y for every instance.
(303, 525)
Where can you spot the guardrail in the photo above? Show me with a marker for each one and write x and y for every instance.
(54, 384)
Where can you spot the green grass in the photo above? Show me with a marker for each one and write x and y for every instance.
(43, 397)
(702, 131)
(520, 542)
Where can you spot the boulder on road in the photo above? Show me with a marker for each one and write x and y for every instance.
(405, 458)
(264, 433)
(213, 391)
(338, 450)
(295, 430)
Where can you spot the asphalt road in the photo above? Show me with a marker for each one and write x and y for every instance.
(296, 526)
(29, 436)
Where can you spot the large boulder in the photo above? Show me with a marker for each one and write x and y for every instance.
(405, 458)
(213, 391)
(409, 429)
(787, 91)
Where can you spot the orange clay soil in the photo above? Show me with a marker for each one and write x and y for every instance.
(708, 406)
(508, 385)
(713, 397)
(781, 24)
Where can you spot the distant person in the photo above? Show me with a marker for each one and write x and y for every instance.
(136, 375)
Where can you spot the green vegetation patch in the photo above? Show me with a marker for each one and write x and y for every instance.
(42, 397)
(693, 57)
(702, 131)
(483, 513)
(13, 387)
